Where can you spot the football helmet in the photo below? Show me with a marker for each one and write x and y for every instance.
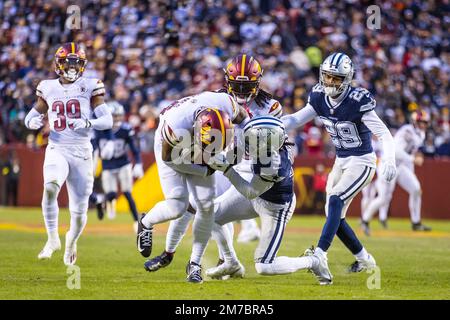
(213, 130)
(117, 111)
(70, 61)
(420, 119)
(336, 74)
(242, 77)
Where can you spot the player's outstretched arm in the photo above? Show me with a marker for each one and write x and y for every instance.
(379, 129)
(300, 118)
(34, 118)
(256, 187)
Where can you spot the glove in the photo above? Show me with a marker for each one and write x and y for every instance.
(78, 124)
(138, 171)
(36, 122)
(219, 162)
(388, 171)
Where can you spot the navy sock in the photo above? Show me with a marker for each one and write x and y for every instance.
(110, 196)
(331, 226)
(348, 237)
(93, 198)
(132, 204)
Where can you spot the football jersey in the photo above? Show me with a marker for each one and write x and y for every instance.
(123, 142)
(408, 139)
(178, 118)
(281, 173)
(343, 121)
(71, 101)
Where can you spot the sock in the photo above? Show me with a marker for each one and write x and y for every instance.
(331, 226)
(415, 202)
(77, 224)
(163, 211)
(284, 265)
(225, 243)
(346, 234)
(383, 212)
(132, 205)
(202, 228)
(110, 196)
(362, 255)
(50, 210)
(176, 232)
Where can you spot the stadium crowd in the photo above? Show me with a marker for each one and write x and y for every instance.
(149, 53)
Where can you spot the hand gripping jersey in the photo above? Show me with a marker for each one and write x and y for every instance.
(123, 141)
(71, 101)
(280, 172)
(343, 121)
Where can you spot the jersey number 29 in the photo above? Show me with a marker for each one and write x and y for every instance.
(344, 134)
(71, 110)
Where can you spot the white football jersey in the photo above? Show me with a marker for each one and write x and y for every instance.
(408, 140)
(178, 117)
(69, 101)
(271, 107)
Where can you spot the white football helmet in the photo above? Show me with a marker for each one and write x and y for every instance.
(264, 135)
(336, 64)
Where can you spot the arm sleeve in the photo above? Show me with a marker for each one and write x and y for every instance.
(134, 149)
(32, 114)
(250, 190)
(379, 129)
(300, 118)
(104, 119)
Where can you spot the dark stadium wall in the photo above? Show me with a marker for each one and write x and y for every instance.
(433, 175)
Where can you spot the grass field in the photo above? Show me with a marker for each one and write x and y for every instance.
(413, 265)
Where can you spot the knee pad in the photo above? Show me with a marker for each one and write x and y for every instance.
(51, 191)
(110, 196)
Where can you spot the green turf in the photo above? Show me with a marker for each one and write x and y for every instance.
(413, 266)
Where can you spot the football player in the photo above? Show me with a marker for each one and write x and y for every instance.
(348, 115)
(118, 169)
(207, 119)
(68, 101)
(408, 139)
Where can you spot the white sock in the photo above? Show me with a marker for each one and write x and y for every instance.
(415, 202)
(176, 232)
(164, 211)
(77, 223)
(284, 265)
(362, 255)
(50, 210)
(224, 241)
(202, 227)
(383, 212)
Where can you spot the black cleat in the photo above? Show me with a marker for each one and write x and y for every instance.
(420, 227)
(194, 272)
(100, 210)
(144, 238)
(365, 227)
(158, 262)
(384, 224)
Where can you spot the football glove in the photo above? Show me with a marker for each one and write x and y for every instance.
(388, 170)
(138, 171)
(78, 124)
(36, 122)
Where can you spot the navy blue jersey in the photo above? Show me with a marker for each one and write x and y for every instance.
(123, 142)
(282, 174)
(343, 122)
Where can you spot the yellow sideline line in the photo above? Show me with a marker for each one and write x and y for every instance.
(162, 229)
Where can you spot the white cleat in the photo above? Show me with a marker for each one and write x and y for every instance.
(226, 270)
(249, 235)
(363, 265)
(50, 247)
(320, 267)
(70, 254)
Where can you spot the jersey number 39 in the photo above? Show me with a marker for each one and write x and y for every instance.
(71, 110)
(344, 134)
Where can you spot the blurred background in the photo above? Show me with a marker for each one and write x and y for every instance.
(149, 53)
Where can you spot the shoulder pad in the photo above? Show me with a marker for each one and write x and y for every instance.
(276, 110)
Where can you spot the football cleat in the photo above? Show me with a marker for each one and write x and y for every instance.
(233, 270)
(100, 210)
(158, 262)
(50, 247)
(194, 272)
(420, 227)
(365, 227)
(144, 238)
(362, 265)
(320, 266)
(384, 224)
(248, 235)
(70, 254)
